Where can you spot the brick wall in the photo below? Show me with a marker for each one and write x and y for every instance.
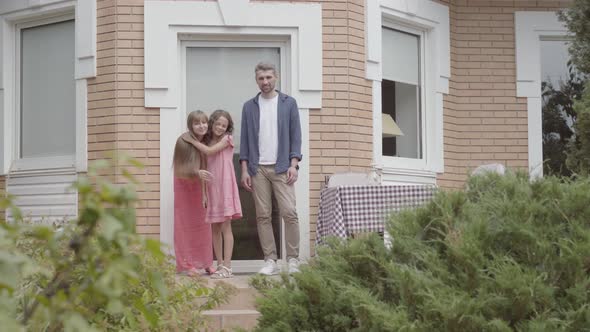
(138, 127)
(341, 132)
(102, 89)
(484, 121)
(343, 126)
(117, 118)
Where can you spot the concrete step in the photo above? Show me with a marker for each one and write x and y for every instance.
(239, 311)
(245, 296)
(228, 320)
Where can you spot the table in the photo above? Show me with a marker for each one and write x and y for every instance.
(351, 209)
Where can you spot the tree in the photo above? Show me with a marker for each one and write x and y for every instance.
(578, 156)
(577, 20)
(558, 116)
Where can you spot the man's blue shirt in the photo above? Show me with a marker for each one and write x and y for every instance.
(289, 133)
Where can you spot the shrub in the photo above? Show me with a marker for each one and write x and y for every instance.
(558, 114)
(504, 255)
(578, 155)
(94, 273)
(577, 17)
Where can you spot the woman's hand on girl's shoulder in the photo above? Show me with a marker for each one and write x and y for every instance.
(229, 139)
(225, 141)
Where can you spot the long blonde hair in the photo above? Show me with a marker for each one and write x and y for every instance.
(187, 159)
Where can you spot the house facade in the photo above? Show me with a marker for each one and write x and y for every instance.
(461, 80)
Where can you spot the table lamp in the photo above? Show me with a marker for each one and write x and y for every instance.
(389, 127)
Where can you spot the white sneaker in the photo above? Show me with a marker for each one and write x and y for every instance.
(270, 268)
(293, 265)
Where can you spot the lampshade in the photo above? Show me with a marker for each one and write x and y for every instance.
(389, 127)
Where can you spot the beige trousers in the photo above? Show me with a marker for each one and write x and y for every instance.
(264, 184)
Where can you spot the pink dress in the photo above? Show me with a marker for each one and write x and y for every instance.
(192, 235)
(224, 199)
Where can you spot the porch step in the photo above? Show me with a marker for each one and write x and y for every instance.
(228, 320)
(240, 310)
(245, 296)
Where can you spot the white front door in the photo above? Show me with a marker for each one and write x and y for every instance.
(222, 77)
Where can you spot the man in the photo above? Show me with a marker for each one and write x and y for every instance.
(270, 151)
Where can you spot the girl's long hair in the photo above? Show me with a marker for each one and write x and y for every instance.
(214, 116)
(187, 159)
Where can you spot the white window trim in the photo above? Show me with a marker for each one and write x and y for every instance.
(432, 20)
(17, 12)
(169, 23)
(33, 163)
(530, 28)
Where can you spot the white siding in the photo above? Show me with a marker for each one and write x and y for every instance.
(46, 197)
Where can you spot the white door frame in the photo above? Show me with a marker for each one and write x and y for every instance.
(240, 266)
(530, 28)
(168, 23)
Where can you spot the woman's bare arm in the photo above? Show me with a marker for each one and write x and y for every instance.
(205, 196)
(208, 150)
(204, 175)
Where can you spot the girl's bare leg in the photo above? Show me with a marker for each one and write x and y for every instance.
(216, 229)
(228, 242)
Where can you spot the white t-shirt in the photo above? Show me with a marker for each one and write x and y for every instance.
(268, 136)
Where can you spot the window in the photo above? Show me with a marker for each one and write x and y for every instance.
(408, 60)
(49, 50)
(47, 91)
(401, 94)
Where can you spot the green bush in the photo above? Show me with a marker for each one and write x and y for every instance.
(558, 113)
(504, 255)
(577, 19)
(578, 154)
(94, 273)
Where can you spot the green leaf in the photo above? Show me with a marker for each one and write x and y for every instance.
(98, 165)
(154, 247)
(74, 322)
(115, 306)
(136, 163)
(42, 232)
(130, 319)
(158, 283)
(149, 314)
(110, 227)
(10, 323)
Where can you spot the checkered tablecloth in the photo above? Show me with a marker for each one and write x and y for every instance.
(345, 210)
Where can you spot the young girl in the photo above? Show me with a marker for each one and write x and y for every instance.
(224, 199)
(192, 236)
(224, 203)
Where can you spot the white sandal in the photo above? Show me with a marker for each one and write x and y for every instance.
(222, 272)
